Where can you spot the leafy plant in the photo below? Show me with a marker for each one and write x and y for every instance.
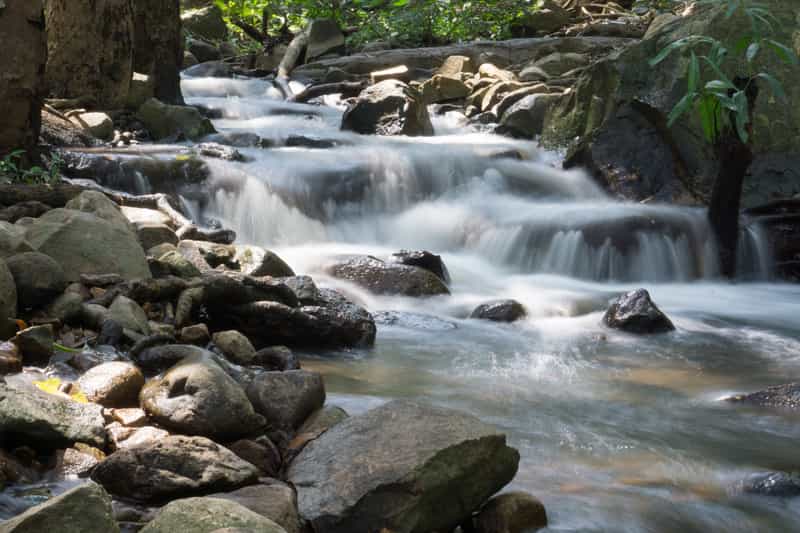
(13, 171)
(723, 103)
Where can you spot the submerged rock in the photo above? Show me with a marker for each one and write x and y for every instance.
(388, 278)
(388, 108)
(423, 259)
(780, 396)
(635, 312)
(500, 311)
(205, 515)
(84, 509)
(776, 484)
(172, 467)
(403, 466)
(197, 397)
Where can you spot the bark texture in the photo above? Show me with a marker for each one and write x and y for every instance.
(158, 46)
(90, 50)
(22, 75)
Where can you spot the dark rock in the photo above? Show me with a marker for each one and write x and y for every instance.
(324, 37)
(512, 512)
(35, 344)
(635, 312)
(235, 346)
(197, 397)
(441, 466)
(8, 299)
(164, 353)
(164, 120)
(129, 314)
(206, 515)
(211, 68)
(276, 358)
(38, 278)
(219, 151)
(173, 467)
(525, 118)
(65, 308)
(273, 499)
(10, 358)
(500, 311)
(775, 484)
(249, 260)
(262, 453)
(111, 333)
(205, 22)
(781, 396)
(30, 416)
(84, 509)
(196, 334)
(423, 259)
(388, 278)
(388, 108)
(32, 209)
(115, 384)
(286, 399)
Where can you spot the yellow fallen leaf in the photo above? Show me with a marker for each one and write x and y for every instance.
(51, 386)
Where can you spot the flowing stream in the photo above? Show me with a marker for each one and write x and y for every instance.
(617, 433)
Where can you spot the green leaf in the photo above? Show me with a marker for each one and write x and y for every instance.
(732, 7)
(667, 50)
(775, 86)
(752, 51)
(683, 105)
(786, 54)
(694, 73)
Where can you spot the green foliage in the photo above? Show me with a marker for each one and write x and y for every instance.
(720, 101)
(405, 22)
(12, 171)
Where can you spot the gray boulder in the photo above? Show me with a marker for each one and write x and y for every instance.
(8, 301)
(403, 466)
(197, 397)
(635, 312)
(128, 314)
(388, 278)
(84, 509)
(205, 52)
(324, 37)
(388, 108)
(12, 240)
(272, 499)
(164, 120)
(100, 205)
(205, 515)
(38, 277)
(85, 243)
(287, 399)
(205, 22)
(115, 384)
(171, 467)
(526, 117)
(44, 420)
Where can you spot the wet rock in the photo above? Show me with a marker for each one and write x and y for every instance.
(262, 453)
(388, 108)
(500, 311)
(111, 332)
(115, 384)
(781, 397)
(775, 484)
(78, 461)
(172, 467)
(38, 278)
(249, 260)
(322, 420)
(31, 416)
(10, 358)
(273, 499)
(84, 509)
(526, 117)
(163, 120)
(276, 358)
(85, 243)
(423, 259)
(286, 399)
(235, 346)
(196, 334)
(388, 278)
(206, 22)
(408, 320)
(512, 512)
(304, 288)
(443, 466)
(164, 353)
(635, 312)
(205, 515)
(324, 37)
(35, 344)
(219, 151)
(128, 314)
(197, 397)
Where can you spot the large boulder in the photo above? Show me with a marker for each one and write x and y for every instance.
(324, 37)
(38, 277)
(206, 23)
(388, 278)
(273, 499)
(287, 399)
(405, 467)
(30, 416)
(388, 108)
(85, 243)
(8, 302)
(98, 204)
(205, 515)
(620, 105)
(164, 120)
(197, 397)
(172, 467)
(84, 509)
(635, 312)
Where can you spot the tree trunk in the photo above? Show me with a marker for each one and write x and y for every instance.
(90, 50)
(158, 46)
(22, 75)
(734, 159)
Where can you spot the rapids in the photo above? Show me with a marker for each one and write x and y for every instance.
(617, 433)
